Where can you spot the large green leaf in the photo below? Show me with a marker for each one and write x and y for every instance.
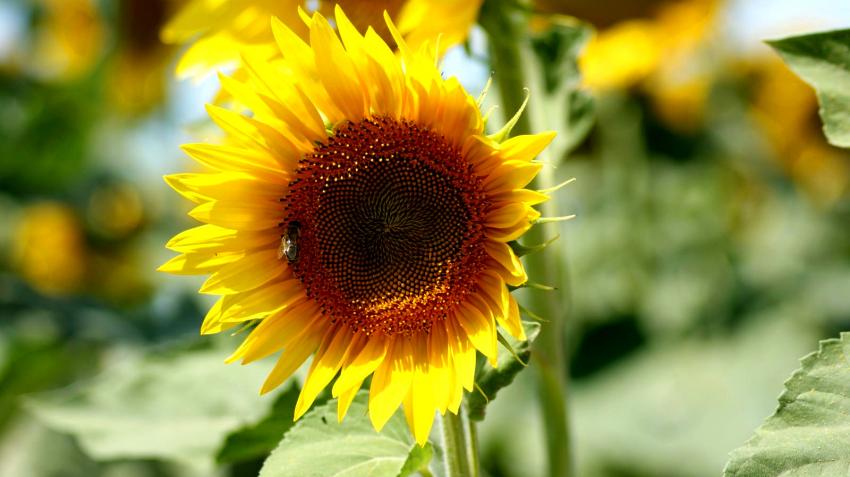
(318, 446)
(258, 440)
(809, 434)
(823, 60)
(697, 397)
(513, 357)
(175, 406)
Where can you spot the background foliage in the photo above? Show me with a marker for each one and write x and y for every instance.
(710, 252)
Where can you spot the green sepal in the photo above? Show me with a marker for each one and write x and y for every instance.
(503, 133)
(534, 316)
(503, 340)
(512, 359)
(558, 187)
(522, 250)
(549, 220)
(533, 286)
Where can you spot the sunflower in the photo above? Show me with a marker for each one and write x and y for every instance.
(360, 215)
(68, 39)
(634, 50)
(137, 73)
(219, 30)
(49, 250)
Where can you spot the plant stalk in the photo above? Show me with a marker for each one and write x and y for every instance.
(511, 59)
(459, 445)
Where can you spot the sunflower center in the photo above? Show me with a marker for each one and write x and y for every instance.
(390, 226)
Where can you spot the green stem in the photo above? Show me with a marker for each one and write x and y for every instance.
(460, 452)
(511, 58)
(472, 443)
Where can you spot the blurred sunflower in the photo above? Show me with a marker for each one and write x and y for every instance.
(631, 49)
(362, 215)
(68, 38)
(49, 250)
(138, 76)
(786, 110)
(219, 30)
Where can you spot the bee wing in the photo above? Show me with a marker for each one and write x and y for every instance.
(281, 249)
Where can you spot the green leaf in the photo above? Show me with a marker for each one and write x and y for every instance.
(175, 406)
(417, 460)
(823, 61)
(259, 440)
(512, 359)
(318, 446)
(699, 397)
(808, 434)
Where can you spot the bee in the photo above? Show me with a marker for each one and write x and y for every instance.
(289, 242)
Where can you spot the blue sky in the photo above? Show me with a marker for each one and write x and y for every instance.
(749, 22)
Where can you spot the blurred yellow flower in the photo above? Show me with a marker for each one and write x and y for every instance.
(621, 56)
(138, 72)
(362, 216)
(69, 39)
(48, 248)
(630, 51)
(602, 14)
(679, 99)
(219, 29)
(786, 109)
(114, 210)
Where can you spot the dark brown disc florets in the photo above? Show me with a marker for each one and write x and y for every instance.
(391, 226)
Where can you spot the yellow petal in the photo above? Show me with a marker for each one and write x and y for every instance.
(344, 402)
(503, 304)
(463, 356)
(479, 328)
(439, 365)
(390, 382)
(294, 356)
(511, 233)
(207, 55)
(297, 53)
(212, 238)
(526, 148)
(198, 263)
(302, 123)
(507, 216)
(226, 186)
(511, 175)
(493, 289)
(364, 364)
(243, 215)
(262, 301)
(245, 274)
(252, 133)
(526, 196)
(276, 332)
(234, 158)
(513, 323)
(212, 321)
(390, 97)
(325, 366)
(509, 266)
(336, 70)
(419, 404)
